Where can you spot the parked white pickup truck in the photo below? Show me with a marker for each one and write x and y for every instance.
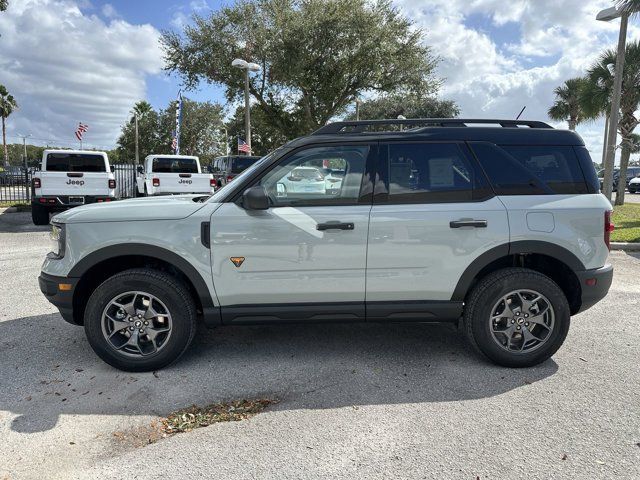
(69, 178)
(167, 174)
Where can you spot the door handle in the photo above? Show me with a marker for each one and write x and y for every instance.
(468, 223)
(334, 225)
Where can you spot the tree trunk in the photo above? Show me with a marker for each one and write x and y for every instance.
(572, 124)
(4, 144)
(622, 178)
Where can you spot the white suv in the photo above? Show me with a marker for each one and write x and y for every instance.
(501, 227)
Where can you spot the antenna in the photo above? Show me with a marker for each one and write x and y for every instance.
(518, 117)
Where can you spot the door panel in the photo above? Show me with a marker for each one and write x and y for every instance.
(286, 258)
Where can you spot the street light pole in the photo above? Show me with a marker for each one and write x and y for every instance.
(609, 162)
(248, 67)
(136, 121)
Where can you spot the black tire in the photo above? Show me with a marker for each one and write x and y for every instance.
(39, 215)
(164, 287)
(488, 291)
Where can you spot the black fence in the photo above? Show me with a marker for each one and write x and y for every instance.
(15, 183)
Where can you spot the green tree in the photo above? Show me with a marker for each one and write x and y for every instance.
(630, 6)
(568, 106)
(148, 134)
(7, 105)
(3, 5)
(265, 136)
(596, 98)
(200, 130)
(316, 56)
(410, 105)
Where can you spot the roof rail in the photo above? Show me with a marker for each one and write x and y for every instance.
(417, 124)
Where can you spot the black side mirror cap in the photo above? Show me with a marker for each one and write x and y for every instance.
(255, 198)
(112, 168)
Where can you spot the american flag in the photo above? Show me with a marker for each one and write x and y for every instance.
(81, 130)
(243, 147)
(174, 143)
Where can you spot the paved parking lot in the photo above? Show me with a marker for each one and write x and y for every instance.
(354, 401)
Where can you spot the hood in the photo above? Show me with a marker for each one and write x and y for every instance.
(169, 207)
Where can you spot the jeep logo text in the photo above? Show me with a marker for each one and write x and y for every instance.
(75, 182)
(185, 181)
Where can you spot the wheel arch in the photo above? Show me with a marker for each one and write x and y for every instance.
(551, 259)
(96, 267)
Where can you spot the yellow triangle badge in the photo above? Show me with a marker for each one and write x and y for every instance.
(237, 261)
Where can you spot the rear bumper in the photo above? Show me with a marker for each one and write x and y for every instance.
(61, 299)
(595, 285)
(61, 202)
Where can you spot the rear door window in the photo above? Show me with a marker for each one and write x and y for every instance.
(428, 173)
(240, 164)
(75, 162)
(174, 165)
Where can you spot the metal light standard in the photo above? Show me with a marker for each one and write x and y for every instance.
(247, 67)
(607, 15)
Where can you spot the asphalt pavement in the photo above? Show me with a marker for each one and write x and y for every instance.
(353, 401)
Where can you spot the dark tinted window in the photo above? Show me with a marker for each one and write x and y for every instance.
(75, 162)
(588, 169)
(174, 165)
(239, 164)
(532, 170)
(429, 172)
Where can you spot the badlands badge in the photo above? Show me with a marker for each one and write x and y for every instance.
(237, 261)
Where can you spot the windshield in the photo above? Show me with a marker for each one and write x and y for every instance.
(174, 165)
(240, 164)
(246, 173)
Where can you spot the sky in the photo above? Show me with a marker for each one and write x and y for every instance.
(70, 61)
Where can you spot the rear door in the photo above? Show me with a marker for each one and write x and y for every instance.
(433, 214)
(176, 175)
(75, 174)
(306, 254)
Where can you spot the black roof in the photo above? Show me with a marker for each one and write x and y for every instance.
(500, 132)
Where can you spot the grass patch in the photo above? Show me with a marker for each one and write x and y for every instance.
(20, 205)
(189, 419)
(626, 218)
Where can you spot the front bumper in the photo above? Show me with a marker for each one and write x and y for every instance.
(595, 285)
(61, 299)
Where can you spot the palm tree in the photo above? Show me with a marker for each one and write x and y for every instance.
(631, 7)
(7, 106)
(567, 106)
(597, 93)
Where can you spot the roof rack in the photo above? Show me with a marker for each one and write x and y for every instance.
(417, 124)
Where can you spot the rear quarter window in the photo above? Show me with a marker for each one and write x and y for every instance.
(74, 162)
(534, 169)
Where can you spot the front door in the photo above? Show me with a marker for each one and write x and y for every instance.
(433, 214)
(304, 257)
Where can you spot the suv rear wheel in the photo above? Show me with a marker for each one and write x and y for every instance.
(39, 215)
(140, 320)
(517, 317)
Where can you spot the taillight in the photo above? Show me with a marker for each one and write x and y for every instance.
(112, 184)
(608, 228)
(156, 182)
(229, 178)
(37, 183)
(212, 182)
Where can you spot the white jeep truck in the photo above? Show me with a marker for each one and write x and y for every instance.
(172, 174)
(500, 229)
(70, 178)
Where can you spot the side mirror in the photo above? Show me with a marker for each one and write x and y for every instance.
(139, 168)
(112, 168)
(255, 198)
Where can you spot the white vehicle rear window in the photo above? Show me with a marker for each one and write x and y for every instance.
(75, 162)
(174, 165)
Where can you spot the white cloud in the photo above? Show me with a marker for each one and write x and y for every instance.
(109, 11)
(64, 67)
(557, 40)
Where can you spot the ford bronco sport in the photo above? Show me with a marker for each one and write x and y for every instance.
(501, 228)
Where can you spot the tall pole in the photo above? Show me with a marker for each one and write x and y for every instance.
(136, 122)
(226, 142)
(247, 111)
(615, 107)
(26, 167)
(604, 141)
(357, 109)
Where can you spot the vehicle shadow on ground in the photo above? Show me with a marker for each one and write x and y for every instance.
(47, 369)
(12, 222)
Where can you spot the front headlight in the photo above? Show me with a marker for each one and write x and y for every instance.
(57, 240)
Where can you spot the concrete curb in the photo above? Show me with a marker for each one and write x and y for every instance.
(628, 247)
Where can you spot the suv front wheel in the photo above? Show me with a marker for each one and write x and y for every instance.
(517, 317)
(140, 320)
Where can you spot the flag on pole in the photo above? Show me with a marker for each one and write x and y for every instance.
(242, 146)
(81, 130)
(175, 144)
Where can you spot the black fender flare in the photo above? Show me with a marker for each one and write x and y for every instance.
(520, 247)
(124, 249)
